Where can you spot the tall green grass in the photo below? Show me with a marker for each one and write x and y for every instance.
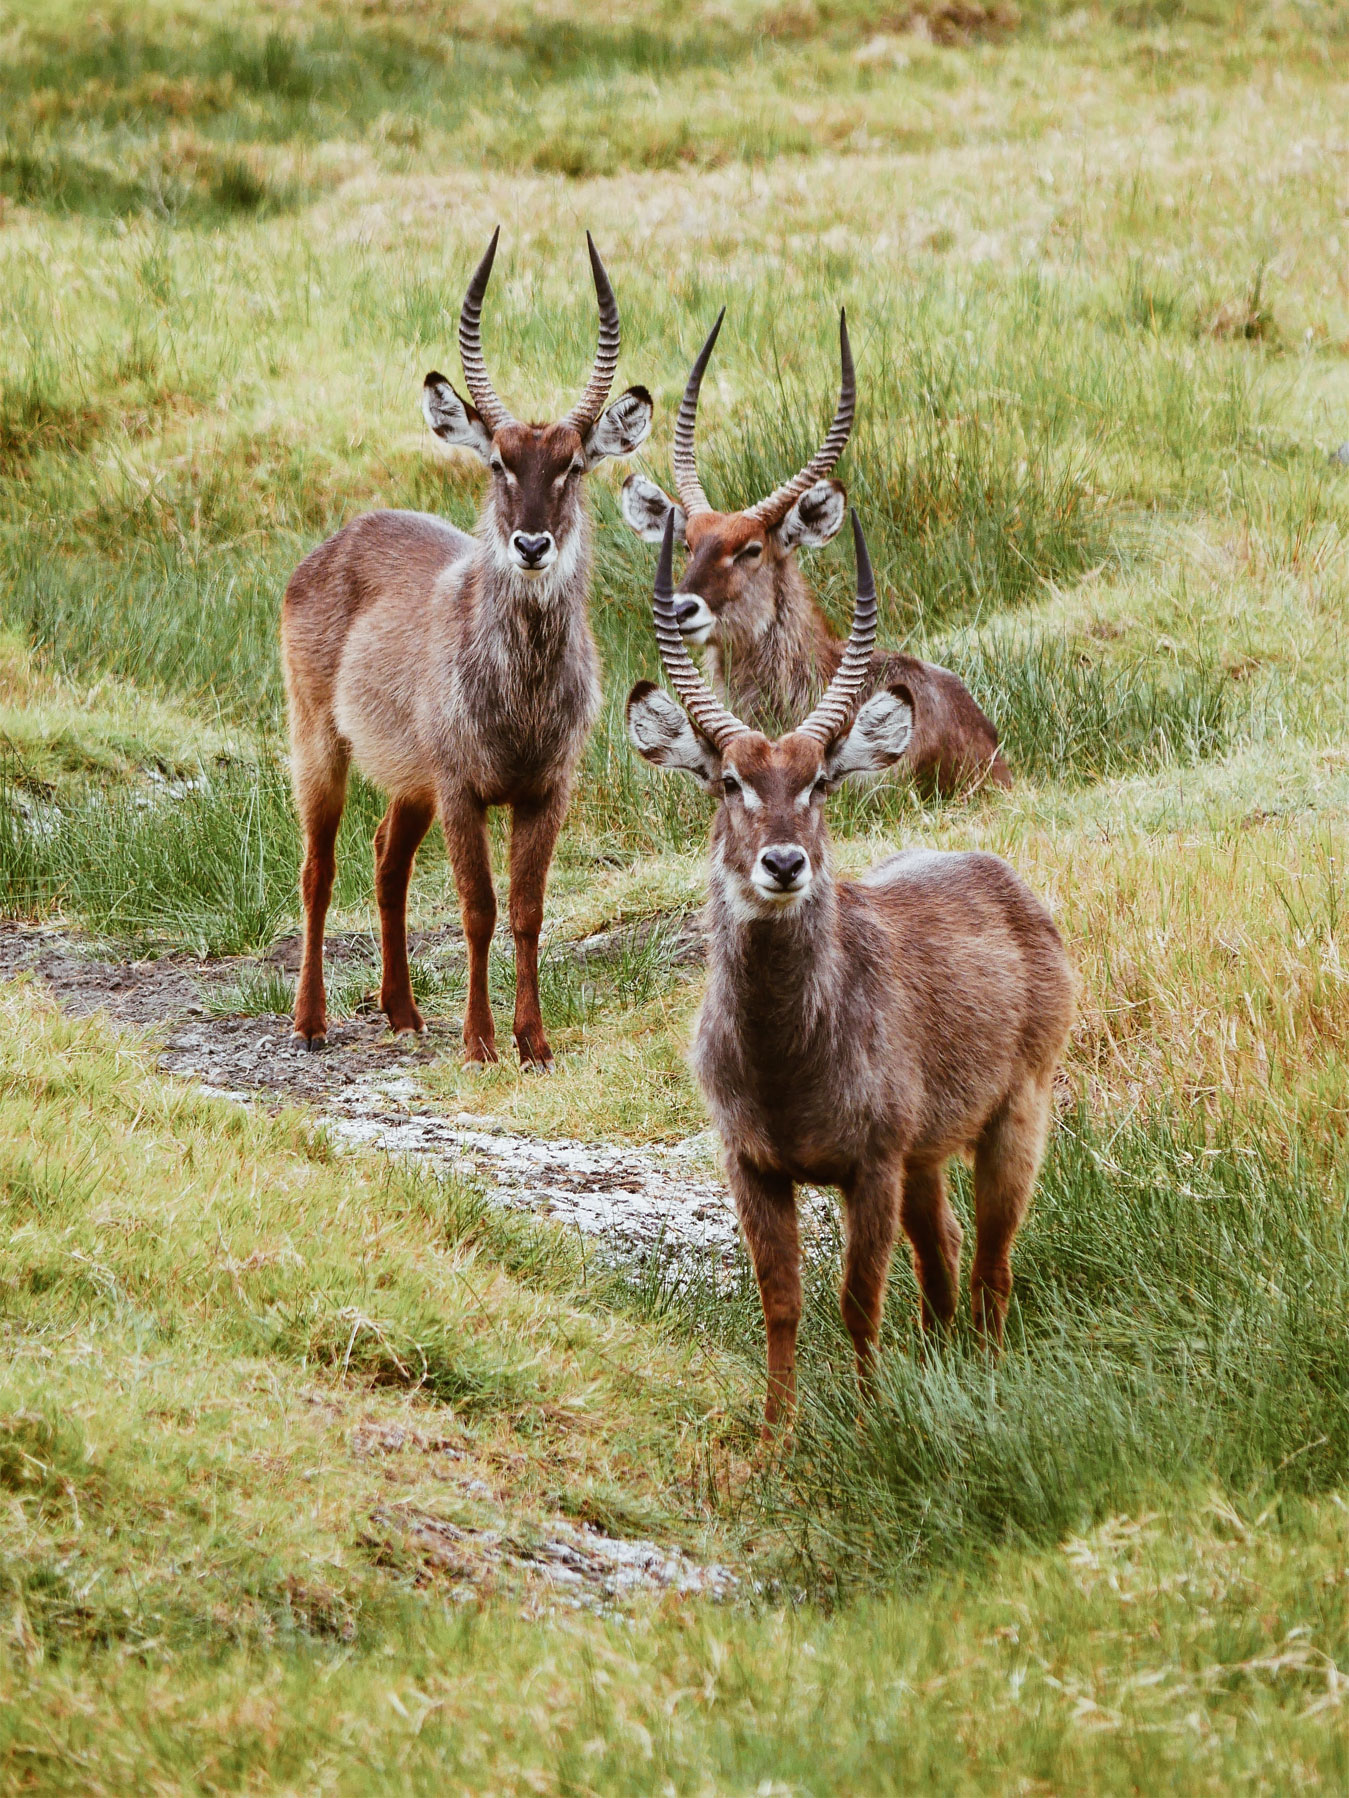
(1181, 1291)
(1177, 1322)
(1065, 715)
(213, 867)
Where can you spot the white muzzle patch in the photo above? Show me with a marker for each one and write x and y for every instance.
(543, 578)
(781, 874)
(532, 568)
(694, 617)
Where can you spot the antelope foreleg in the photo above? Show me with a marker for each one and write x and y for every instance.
(534, 829)
(465, 820)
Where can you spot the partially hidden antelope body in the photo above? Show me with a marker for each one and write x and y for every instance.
(857, 1033)
(457, 672)
(770, 648)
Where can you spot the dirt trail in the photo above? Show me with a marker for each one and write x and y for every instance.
(632, 1203)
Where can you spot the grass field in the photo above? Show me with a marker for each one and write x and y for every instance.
(1096, 264)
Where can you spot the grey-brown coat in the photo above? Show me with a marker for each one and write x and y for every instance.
(457, 673)
(858, 1033)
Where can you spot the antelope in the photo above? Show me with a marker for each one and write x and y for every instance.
(857, 1033)
(770, 646)
(457, 672)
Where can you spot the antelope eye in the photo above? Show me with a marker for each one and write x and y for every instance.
(750, 553)
(496, 465)
(729, 786)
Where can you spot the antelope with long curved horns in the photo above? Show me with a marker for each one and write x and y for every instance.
(770, 647)
(857, 1033)
(457, 673)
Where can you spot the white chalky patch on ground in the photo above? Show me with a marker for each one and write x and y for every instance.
(576, 1565)
(638, 1202)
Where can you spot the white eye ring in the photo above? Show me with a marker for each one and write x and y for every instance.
(749, 552)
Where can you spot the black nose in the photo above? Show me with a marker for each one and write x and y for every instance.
(532, 549)
(784, 865)
(686, 609)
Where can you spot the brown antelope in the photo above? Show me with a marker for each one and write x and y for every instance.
(457, 673)
(857, 1033)
(770, 648)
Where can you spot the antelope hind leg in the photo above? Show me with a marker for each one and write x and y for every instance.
(935, 1237)
(1006, 1161)
(321, 794)
(465, 820)
(870, 1204)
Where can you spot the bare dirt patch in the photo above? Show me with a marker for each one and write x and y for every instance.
(631, 1204)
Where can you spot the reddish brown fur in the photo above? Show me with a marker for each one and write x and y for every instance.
(859, 1033)
(772, 652)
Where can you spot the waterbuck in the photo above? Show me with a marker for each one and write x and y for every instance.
(857, 1033)
(457, 673)
(770, 647)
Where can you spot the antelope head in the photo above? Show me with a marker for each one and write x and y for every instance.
(533, 522)
(770, 842)
(735, 558)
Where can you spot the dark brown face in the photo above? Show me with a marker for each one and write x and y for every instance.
(770, 839)
(729, 567)
(537, 471)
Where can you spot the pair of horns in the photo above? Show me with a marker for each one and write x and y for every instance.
(774, 509)
(591, 403)
(718, 725)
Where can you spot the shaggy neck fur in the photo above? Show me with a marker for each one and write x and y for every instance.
(778, 666)
(775, 969)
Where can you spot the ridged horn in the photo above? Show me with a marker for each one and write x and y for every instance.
(687, 484)
(702, 705)
(773, 510)
(835, 710)
(591, 403)
(480, 388)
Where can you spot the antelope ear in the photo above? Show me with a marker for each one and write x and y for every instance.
(453, 420)
(660, 731)
(815, 517)
(645, 507)
(620, 430)
(880, 733)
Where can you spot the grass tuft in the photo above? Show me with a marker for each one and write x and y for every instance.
(1177, 1321)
